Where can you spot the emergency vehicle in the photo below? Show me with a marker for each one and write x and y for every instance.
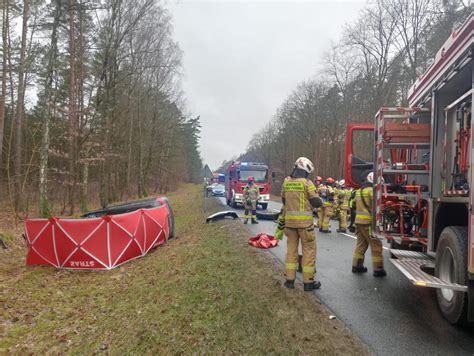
(217, 178)
(236, 176)
(422, 159)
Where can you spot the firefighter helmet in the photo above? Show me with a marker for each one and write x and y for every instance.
(250, 179)
(342, 183)
(304, 164)
(329, 181)
(318, 179)
(370, 177)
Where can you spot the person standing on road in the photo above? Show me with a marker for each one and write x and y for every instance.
(327, 194)
(365, 239)
(251, 196)
(344, 195)
(352, 209)
(318, 182)
(299, 198)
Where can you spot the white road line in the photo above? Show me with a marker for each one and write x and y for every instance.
(355, 238)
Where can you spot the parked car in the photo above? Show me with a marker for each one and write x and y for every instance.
(218, 190)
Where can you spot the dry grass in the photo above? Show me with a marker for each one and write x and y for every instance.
(204, 291)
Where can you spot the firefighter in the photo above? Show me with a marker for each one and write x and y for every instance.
(344, 195)
(318, 182)
(251, 195)
(352, 210)
(327, 208)
(299, 197)
(363, 222)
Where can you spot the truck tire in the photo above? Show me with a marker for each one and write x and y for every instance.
(451, 266)
(264, 206)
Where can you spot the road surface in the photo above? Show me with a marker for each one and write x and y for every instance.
(390, 314)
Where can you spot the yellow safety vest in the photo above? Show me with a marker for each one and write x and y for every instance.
(252, 192)
(363, 212)
(298, 210)
(344, 196)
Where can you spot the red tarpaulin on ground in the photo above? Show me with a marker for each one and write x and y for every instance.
(100, 243)
(263, 241)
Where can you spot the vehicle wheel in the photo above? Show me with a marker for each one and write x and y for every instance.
(264, 206)
(268, 215)
(451, 266)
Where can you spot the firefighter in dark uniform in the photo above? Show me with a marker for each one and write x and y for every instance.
(363, 222)
(299, 198)
(251, 196)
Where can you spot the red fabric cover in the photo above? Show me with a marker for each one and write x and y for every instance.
(101, 243)
(263, 241)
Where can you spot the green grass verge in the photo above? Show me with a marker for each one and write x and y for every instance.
(204, 291)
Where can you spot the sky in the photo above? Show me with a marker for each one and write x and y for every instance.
(241, 60)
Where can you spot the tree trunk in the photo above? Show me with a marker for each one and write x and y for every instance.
(45, 140)
(4, 73)
(72, 112)
(20, 111)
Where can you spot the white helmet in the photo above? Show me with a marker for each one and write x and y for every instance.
(342, 182)
(304, 164)
(370, 177)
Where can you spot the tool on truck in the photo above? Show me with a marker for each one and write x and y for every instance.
(423, 163)
(236, 177)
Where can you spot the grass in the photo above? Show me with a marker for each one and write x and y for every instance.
(204, 291)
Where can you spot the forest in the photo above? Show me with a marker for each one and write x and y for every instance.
(91, 107)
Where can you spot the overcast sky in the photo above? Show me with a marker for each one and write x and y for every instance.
(243, 58)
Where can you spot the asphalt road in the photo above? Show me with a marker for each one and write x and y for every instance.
(390, 314)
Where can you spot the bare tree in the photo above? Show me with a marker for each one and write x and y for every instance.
(20, 110)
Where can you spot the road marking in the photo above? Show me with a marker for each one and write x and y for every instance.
(355, 238)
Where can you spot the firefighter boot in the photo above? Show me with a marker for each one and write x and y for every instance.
(359, 269)
(254, 216)
(341, 230)
(380, 273)
(308, 287)
(246, 215)
(290, 284)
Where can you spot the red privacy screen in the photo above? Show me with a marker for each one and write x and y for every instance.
(100, 243)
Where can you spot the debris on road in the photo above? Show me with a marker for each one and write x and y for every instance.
(332, 317)
(222, 215)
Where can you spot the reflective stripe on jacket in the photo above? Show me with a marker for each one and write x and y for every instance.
(252, 192)
(296, 193)
(363, 212)
(344, 196)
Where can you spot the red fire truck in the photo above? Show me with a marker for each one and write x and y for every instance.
(236, 177)
(423, 164)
